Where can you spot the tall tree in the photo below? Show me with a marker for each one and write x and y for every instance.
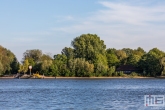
(60, 61)
(69, 52)
(122, 56)
(24, 67)
(128, 51)
(46, 62)
(150, 62)
(1, 69)
(133, 60)
(34, 58)
(112, 60)
(111, 51)
(88, 46)
(139, 51)
(7, 59)
(35, 54)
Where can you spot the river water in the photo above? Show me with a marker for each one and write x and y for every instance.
(79, 94)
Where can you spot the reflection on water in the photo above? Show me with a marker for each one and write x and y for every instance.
(50, 94)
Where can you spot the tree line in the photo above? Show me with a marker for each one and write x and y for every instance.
(8, 62)
(87, 57)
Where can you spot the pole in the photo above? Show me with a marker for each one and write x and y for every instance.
(30, 67)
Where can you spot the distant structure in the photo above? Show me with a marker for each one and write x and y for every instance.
(128, 69)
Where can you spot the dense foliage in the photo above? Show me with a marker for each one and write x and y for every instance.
(8, 62)
(87, 57)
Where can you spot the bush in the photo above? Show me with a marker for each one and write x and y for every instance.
(121, 73)
(133, 74)
(115, 74)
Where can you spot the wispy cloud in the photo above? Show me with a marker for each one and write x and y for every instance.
(132, 14)
(124, 25)
(120, 23)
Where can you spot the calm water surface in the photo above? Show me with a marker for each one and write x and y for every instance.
(68, 94)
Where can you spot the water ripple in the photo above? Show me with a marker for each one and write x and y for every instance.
(83, 94)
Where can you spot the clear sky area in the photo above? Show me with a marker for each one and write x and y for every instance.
(51, 25)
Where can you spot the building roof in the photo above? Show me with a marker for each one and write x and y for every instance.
(127, 68)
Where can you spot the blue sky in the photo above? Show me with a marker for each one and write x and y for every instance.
(51, 25)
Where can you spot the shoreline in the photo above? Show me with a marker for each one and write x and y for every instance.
(47, 77)
(103, 77)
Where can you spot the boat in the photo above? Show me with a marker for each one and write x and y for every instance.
(36, 76)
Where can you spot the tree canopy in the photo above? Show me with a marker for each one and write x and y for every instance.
(88, 46)
(8, 62)
(87, 56)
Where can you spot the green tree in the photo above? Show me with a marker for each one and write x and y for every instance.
(46, 61)
(69, 52)
(128, 51)
(111, 70)
(101, 65)
(61, 62)
(24, 67)
(162, 64)
(35, 54)
(79, 67)
(1, 69)
(7, 59)
(112, 60)
(111, 51)
(122, 56)
(34, 58)
(21, 68)
(45, 65)
(14, 66)
(133, 56)
(88, 46)
(150, 62)
(133, 60)
(139, 51)
(54, 70)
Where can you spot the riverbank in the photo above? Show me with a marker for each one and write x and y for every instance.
(6, 77)
(47, 77)
(99, 77)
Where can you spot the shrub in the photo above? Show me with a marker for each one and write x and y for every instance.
(133, 74)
